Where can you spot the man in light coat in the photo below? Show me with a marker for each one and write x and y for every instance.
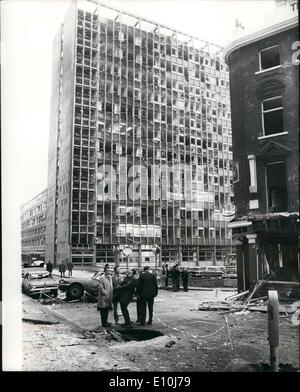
(116, 281)
(105, 296)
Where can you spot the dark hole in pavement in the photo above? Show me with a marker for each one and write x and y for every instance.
(139, 334)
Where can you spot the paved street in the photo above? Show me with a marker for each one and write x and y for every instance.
(203, 340)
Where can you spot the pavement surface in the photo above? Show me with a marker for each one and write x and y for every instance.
(52, 345)
(191, 340)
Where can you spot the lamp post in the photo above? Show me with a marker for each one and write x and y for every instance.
(117, 254)
(139, 251)
(127, 251)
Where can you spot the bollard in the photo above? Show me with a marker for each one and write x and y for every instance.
(273, 328)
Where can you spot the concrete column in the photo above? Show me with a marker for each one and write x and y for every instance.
(140, 255)
(179, 253)
(197, 256)
(214, 254)
(94, 255)
(117, 257)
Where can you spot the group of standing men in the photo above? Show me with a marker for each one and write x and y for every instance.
(174, 273)
(117, 289)
(62, 268)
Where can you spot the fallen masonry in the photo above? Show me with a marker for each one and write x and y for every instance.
(237, 306)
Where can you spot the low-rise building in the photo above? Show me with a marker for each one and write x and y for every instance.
(264, 88)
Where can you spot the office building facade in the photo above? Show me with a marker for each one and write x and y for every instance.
(140, 148)
(33, 228)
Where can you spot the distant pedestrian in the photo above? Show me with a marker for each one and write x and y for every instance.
(167, 276)
(125, 296)
(175, 276)
(138, 299)
(116, 281)
(49, 267)
(185, 279)
(105, 296)
(147, 290)
(163, 277)
(70, 268)
(62, 269)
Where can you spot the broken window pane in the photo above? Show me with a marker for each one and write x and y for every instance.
(276, 187)
(269, 57)
(272, 116)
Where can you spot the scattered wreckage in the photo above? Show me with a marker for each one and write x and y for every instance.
(255, 299)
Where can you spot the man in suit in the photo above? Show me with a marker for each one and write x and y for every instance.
(185, 279)
(49, 267)
(125, 294)
(147, 290)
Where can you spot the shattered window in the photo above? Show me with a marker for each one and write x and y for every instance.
(272, 116)
(276, 187)
(269, 57)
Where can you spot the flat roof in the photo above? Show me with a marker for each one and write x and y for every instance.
(156, 25)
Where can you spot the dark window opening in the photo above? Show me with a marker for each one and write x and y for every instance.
(276, 187)
(272, 116)
(269, 57)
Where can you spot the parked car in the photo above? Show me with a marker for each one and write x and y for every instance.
(35, 282)
(30, 269)
(75, 287)
(38, 263)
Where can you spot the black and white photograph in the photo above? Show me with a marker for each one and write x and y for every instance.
(150, 188)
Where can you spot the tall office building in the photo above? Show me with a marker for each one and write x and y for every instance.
(140, 142)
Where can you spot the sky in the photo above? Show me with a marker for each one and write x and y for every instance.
(27, 31)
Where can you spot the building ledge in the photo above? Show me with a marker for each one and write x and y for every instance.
(234, 225)
(259, 35)
(273, 135)
(268, 69)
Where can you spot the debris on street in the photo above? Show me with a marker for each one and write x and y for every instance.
(170, 344)
(39, 320)
(241, 307)
(247, 301)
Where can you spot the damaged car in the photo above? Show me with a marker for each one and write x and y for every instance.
(39, 282)
(75, 287)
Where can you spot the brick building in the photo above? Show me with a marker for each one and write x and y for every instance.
(137, 104)
(264, 88)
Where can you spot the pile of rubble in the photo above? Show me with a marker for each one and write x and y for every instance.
(244, 302)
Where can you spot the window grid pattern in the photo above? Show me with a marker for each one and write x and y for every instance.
(151, 99)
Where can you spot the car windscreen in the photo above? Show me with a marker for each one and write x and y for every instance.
(38, 276)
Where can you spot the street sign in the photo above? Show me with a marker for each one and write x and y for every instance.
(127, 251)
